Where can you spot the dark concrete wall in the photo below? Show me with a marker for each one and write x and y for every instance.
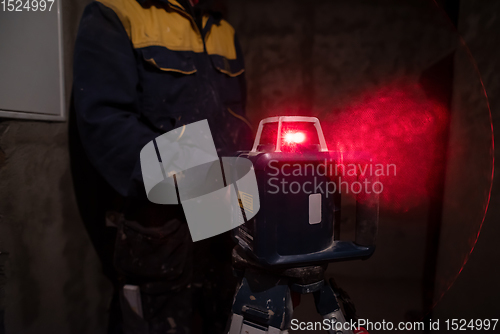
(53, 279)
(475, 294)
(318, 58)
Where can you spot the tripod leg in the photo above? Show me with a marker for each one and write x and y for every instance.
(262, 305)
(328, 306)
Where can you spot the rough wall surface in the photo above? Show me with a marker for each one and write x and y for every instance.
(317, 57)
(53, 278)
(475, 293)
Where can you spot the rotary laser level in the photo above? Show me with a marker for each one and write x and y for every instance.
(288, 244)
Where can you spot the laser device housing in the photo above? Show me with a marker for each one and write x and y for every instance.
(298, 227)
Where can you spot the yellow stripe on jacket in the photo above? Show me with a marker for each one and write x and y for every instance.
(171, 28)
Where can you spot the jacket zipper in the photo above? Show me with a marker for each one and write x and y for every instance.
(216, 95)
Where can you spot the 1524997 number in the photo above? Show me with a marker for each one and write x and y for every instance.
(476, 325)
(26, 5)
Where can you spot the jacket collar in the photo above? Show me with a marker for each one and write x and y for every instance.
(212, 19)
(172, 3)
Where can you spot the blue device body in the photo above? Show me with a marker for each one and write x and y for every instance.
(282, 233)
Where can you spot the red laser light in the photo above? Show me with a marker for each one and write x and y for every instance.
(295, 137)
(398, 125)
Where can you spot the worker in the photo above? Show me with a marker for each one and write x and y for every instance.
(143, 68)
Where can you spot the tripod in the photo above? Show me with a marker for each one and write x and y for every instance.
(263, 302)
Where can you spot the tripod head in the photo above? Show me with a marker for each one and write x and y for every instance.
(300, 193)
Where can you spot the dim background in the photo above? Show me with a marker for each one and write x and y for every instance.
(313, 58)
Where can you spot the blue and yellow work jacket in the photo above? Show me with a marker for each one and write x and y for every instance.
(144, 68)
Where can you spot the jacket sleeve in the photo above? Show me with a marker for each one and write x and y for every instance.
(106, 100)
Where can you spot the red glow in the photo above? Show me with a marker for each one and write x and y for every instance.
(295, 137)
(394, 126)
